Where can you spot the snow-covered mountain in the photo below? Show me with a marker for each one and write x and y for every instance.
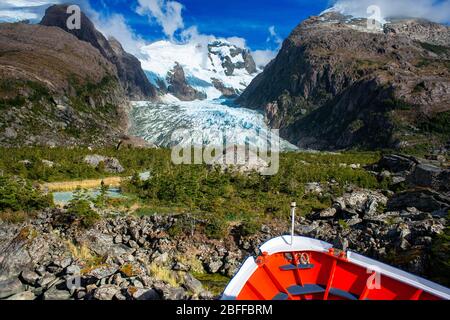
(196, 71)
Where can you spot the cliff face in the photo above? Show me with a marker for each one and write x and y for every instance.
(131, 75)
(337, 85)
(56, 90)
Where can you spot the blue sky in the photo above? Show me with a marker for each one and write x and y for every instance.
(249, 19)
(260, 24)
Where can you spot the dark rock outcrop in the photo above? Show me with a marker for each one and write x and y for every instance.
(130, 73)
(226, 91)
(335, 85)
(179, 87)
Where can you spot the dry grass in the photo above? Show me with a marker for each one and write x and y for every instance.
(191, 261)
(83, 184)
(14, 217)
(84, 254)
(163, 274)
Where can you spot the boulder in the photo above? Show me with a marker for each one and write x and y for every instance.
(29, 277)
(10, 287)
(213, 265)
(102, 272)
(111, 165)
(145, 294)
(192, 284)
(397, 163)
(106, 292)
(56, 294)
(23, 296)
(425, 200)
(425, 175)
(174, 294)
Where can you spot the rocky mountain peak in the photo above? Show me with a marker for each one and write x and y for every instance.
(217, 69)
(337, 84)
(231, 57)
(130, 73)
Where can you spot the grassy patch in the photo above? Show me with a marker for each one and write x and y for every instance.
(214, 283)
(163, 274)
(437, 49)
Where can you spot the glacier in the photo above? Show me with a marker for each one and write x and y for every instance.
(206, 122)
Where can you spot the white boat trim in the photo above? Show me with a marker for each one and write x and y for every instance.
(284, 244)
(236, 285)
(400, 275)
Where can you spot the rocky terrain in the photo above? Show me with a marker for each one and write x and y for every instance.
(335, 84)
(60, 90)
(139, 258)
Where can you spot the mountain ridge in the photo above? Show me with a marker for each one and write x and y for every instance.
(61, 88)
(129, 70)
(336, 85)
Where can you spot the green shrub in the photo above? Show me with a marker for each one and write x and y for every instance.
(79, 211)
(250, 227)
(17, 194)
(216, 228)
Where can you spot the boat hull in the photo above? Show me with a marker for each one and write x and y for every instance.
(298, 268)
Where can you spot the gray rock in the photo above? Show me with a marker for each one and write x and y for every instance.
(397, 163)
(192, 284)
(111, 165)
(146, 294)
(73, 270)
(29, 277)
(47, 280)
(178, 266)
(328, 213)
(55, 294)
(214, 265)
(174, 294)
(103, 271)
(23, 296)
(10, 287)
(106, 292)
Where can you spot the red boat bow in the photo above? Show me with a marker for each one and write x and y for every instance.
(299, 268)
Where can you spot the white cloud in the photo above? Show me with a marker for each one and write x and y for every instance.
(263, 57)
(237, 41)
(438, 11)
(16, 10)
(168, 14)
(273, 36)
(15, 15)
(116, 26)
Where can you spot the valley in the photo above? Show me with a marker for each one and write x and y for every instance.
(90, 193)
